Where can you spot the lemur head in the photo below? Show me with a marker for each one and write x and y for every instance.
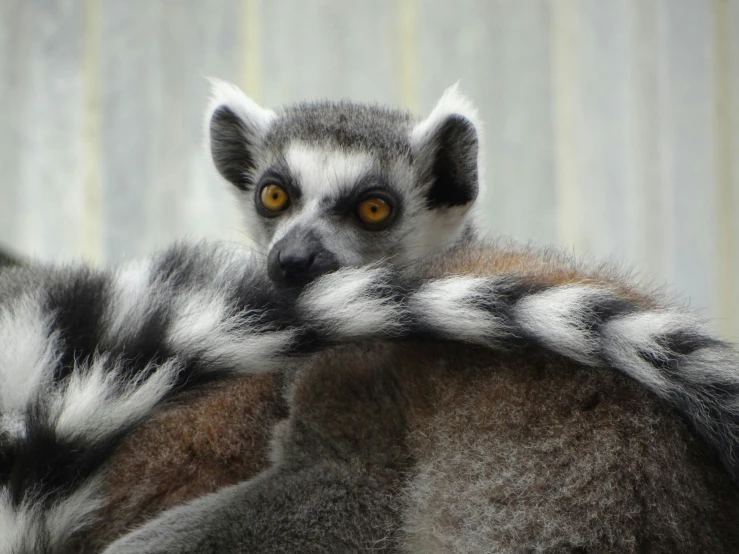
(331, 184)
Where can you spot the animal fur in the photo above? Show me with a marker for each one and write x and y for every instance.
(409, 447)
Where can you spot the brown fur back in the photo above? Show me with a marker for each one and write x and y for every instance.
(194, 447)
(533, 453)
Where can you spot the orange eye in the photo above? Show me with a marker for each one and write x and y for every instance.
(274, 198)
(374, 210)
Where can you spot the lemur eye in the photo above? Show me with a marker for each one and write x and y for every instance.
(374, 212)
(274, 198)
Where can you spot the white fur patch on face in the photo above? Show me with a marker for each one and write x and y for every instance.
(325, 172)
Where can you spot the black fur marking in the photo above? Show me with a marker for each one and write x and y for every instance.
(603, 310)
(77, 301)
(46, 466)
(674, 347)
(307, 341)
(232, 147)
(145, 346)
(454, 169)
(347, 202)
(6, 456)
(511, 290)
(685, 343)
(183, 268)
(501, 299)
(255, 293)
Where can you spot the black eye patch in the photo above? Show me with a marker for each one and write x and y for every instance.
(347, 202)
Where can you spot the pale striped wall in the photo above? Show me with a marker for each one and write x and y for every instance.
(612, 126)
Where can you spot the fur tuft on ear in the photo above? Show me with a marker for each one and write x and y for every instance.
(235, 127)
(446, 148)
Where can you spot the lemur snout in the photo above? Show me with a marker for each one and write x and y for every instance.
(297, 259)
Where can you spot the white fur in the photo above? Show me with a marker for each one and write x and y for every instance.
(448, 305)
(130, 299)
(451, 102)
(197, 320)
(230, 96)
(204, 324)
(556, 317)
(93, 405)
(625, 337)
(340, 302)
(28, 351)
(254, 353)
(324, 172)
(16, 524)
(14, 424)
(21, 526)
(75, 511)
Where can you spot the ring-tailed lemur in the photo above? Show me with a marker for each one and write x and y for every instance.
(89, 355)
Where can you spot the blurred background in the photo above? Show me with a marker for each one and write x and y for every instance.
(612, 126)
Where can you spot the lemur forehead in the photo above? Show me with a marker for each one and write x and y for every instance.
(327, 171)
(382, 131)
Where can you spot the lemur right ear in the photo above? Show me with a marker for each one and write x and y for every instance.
(446, 148)
(235, 128)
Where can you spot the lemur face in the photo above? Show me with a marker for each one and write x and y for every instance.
(325, 185)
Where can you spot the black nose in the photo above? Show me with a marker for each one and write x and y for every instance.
(295, 267)
(296, 260)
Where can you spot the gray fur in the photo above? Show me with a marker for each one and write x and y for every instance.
(479, 452)
(383, 131)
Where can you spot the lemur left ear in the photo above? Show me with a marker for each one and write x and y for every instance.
(445, 146)
(236, 126)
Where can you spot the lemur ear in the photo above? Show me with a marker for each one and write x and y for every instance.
(445, 146)
(236, 126)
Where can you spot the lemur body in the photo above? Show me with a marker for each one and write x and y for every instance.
(88, 356)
